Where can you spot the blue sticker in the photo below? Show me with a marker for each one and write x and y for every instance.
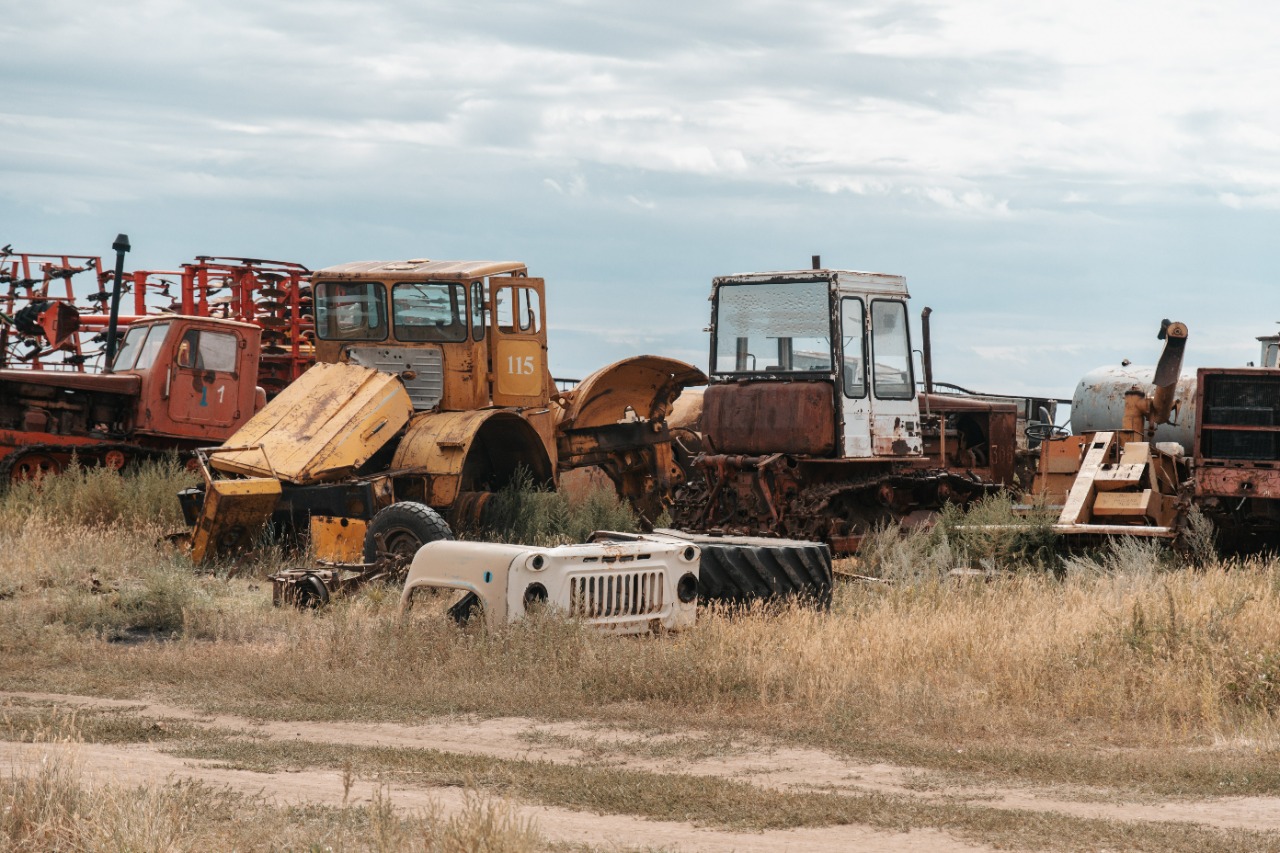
(204, 395)
(488, 576)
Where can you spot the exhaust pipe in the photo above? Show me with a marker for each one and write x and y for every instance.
(926, 354)
(121, 245)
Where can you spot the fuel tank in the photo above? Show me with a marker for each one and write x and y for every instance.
(1098, 403)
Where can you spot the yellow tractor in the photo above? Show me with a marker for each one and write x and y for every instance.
(431, 392)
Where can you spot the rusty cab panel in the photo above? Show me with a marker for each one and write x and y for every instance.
(759, 418)
(812, 363)
(198, 375)
(462, 335)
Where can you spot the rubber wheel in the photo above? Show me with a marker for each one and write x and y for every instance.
(310, 593)
(404, 527)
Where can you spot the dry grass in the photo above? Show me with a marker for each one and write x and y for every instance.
(1115, 668)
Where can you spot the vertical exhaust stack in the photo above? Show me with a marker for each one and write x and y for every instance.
(121, 245)
(1142, 414)
(817, 262)
(926, 350)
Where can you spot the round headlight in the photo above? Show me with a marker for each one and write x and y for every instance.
(534, 593)
(687, 588)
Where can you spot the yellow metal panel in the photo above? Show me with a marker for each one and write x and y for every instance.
(437, 443)
(647, 385)
(519, 368)
(1122, 476)
(234, 512)
(324, 425)
(1137, 505)
(338, 540)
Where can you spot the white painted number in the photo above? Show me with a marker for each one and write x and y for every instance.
(520, 366)
(221, 390)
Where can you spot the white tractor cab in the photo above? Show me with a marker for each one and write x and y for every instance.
(623, 585)
(841, 325)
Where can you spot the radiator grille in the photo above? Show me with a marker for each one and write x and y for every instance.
(1229, 397)
(426, 364)
(1246, 401)
(620, 594)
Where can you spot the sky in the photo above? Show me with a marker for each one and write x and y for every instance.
(1052, 179)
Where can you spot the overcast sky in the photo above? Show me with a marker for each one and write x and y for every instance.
(1052, 183)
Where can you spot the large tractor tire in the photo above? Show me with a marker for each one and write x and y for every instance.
(404, 527)
(742, 569)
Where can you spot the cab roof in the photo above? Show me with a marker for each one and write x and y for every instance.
(418, 268)
(874, 282)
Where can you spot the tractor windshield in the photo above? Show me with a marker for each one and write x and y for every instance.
(141, 345)
(429, 311)
(351, 311)
(778, 327)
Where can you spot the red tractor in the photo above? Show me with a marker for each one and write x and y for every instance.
(202, 348)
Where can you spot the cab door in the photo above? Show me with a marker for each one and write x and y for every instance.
(203, 384)
(855, 394)
(518, 368)
(895, 410)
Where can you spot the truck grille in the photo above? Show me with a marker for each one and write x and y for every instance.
(421, 369)
(621, 594)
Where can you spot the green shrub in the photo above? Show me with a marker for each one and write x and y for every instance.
(524, 514)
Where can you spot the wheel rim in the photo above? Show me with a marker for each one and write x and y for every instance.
(114, 459)
(402, 543)
(34, 467)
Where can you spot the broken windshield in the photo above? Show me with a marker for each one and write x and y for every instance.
(779, 327)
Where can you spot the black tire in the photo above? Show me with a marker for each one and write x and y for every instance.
(404, 527)
(742, 569)
(310, 593)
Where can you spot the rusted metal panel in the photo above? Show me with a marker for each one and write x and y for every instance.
(1237, 482)
(338, 538)
(771, 417)
(460, 451)
(324, 425)
(118, 383)
(233, 513)
(644, 388)
(420, 268)
(1237, 449)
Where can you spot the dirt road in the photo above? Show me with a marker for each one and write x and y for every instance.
(577, 744)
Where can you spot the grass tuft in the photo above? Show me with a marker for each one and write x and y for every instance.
(524, 514)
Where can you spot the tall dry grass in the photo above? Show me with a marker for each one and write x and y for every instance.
(1117, 647)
